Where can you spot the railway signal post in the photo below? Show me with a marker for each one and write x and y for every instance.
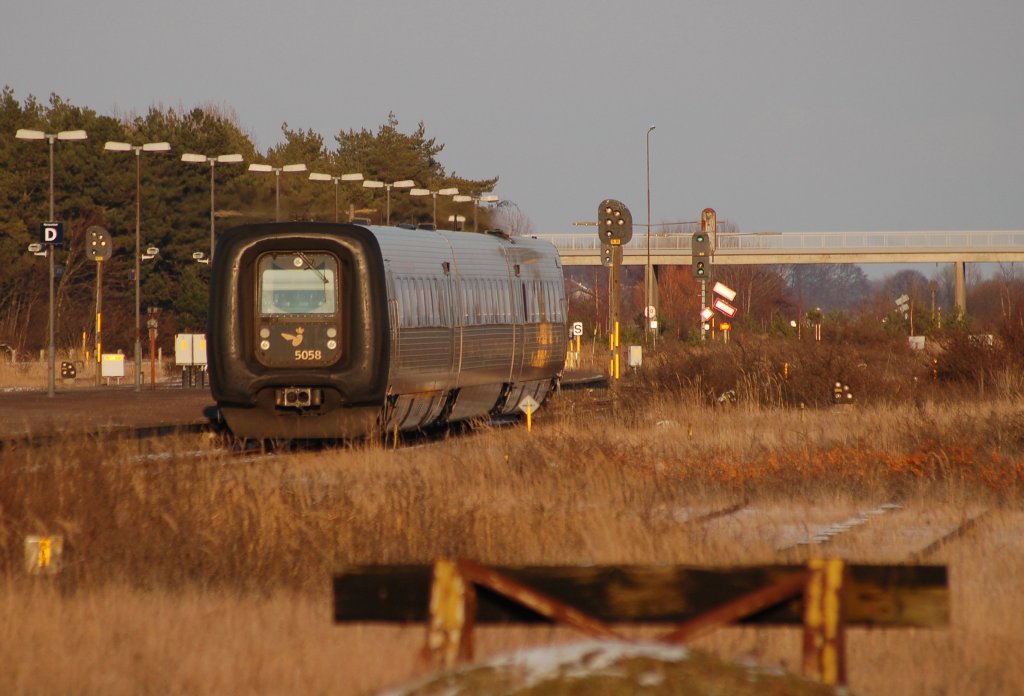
(98, 248)
(614, 228)
(703, 249)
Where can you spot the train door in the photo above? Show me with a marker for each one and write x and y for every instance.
(448, 308)
(456, 305)
(520, 312)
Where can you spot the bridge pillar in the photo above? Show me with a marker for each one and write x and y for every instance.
(655, 296)
(960, 287)
(652, 290)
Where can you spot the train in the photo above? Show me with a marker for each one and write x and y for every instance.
(323, 330)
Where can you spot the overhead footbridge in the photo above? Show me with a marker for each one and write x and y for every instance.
(732, 249)
(958, 247)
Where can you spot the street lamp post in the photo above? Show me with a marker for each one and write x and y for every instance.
(489, 198)
(138, 150)
(223, 159)
(647, 270)
(277, 176)
(26, 134)
(434, 194)
(317, 176)
(404, 183)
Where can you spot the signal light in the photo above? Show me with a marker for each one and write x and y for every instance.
(610, 254)
(615, 222)
(700, 246)
(98, 246)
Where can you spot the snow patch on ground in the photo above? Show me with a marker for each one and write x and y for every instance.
(535, 665)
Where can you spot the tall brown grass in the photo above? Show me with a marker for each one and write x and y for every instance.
(191, 571)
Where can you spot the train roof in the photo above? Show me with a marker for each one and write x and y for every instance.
(413, 247)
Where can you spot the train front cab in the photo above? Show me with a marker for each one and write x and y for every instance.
(298, 331)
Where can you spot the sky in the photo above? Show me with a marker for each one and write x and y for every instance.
(783, 115)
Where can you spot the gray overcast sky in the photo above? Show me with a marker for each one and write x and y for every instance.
(816, 115)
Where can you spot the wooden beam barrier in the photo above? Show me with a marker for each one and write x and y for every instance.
(823, 597)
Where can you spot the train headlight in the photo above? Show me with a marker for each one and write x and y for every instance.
(331, 345)
(264, 332)
(331, 333)
(265, 345)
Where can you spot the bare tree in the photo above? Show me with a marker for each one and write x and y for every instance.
(509, 217)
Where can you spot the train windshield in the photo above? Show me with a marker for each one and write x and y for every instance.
(298, 283)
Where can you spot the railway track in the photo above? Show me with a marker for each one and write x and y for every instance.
(906, 536)
(910, 536)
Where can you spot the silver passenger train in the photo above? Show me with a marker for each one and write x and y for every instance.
(321, 330)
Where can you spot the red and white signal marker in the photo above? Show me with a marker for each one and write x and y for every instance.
(725, 308)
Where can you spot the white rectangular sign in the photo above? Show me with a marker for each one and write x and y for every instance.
(724, 290)
(112, 365)
(190, 349)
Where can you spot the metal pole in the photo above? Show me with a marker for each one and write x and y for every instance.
(99, 322)
(433, 194)
(647, 268)
(388, 188)
(335, 199)
(277, 195)
(213, 164)
(50, 253)
(138, 269)
(703, 304)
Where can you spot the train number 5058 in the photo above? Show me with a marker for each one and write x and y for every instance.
(308, 355)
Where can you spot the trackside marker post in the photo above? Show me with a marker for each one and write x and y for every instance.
(43, 554)
(528, 405)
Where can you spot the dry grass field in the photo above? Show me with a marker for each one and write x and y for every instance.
(190, 571)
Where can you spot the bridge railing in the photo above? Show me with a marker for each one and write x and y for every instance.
(802, 241)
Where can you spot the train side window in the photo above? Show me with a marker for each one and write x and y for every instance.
(466, 310)
(408, 305)
(479, 299)
(418, 302)
(443, 314)
(439, 314)
(556, 302)
(426, 316)
(487, 306)
(402, 302)
(481, 296)
(477, 302)
(428, 302)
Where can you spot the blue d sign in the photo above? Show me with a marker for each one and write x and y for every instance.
(52, 233)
